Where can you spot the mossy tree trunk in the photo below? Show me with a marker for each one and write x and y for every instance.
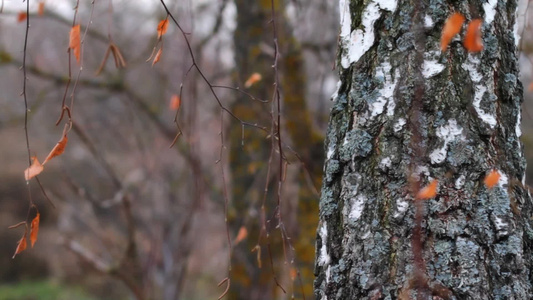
(406, 113)
(254, 51)
(249, 154)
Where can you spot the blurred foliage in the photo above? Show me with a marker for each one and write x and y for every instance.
(41, 290)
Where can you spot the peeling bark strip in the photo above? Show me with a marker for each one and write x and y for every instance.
(477, 243)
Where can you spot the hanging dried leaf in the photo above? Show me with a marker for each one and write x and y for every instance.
(40, 10)
(22, 244)
(151, 54)
(175, 102)
(162, 28)
(254, 78)
(243, 233)
(34, 230)
(21, 16)
(473, 41)
(157, 56)
(492, 178)
(117, 56)
(75, 41)
(257, 249)
(35, 169)
(58, 149)
(428, 191)
(451, 28)
(120, 62)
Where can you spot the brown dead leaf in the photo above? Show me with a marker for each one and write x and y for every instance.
(175, 102)
(254, 78)
(58, 149)
(21, 246)
(34, 230)
(162, 28)
(294, 273)
(21, 17)
(257, 249)
(34, 169)
(241, 235)
(157, 56)
(120, 62)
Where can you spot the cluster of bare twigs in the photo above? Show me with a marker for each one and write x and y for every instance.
(273, 131)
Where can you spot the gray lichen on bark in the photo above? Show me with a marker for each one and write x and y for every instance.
(477, 242)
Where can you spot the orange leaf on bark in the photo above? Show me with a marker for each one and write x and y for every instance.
(473, 41)
(428, 191)
(492, 178)
(451, 28)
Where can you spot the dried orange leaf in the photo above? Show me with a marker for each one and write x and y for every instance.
(428, 191)
(294, 273)
(243, 233)
(21, 16)
(75, 41)
(530, 88)
(40, 11)
(175, 102)
(35, 169)
(473, 41)
(162, 28)
(34, 230)
(157, 56)
(59, 148)
(492, 178)
(22, 244)
(254, 78)
(451, 28)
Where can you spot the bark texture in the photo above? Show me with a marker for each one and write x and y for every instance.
(403, 110)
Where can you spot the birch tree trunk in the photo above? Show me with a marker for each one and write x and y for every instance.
(406, 113)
